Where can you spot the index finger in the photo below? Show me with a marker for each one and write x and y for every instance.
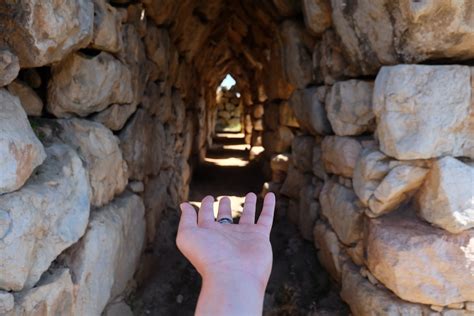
(266, 217)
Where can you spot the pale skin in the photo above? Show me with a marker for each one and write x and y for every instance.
(234, 260)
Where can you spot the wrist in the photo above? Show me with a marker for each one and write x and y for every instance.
(233, 293)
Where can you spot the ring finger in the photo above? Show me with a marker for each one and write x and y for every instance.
(225, 210)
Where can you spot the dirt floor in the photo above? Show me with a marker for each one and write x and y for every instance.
(298, 284)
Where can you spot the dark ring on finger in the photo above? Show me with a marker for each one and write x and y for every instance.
(225, 220)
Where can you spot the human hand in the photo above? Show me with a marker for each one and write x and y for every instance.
(234, 260)
(214, 248)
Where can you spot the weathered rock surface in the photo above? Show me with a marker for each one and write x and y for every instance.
(115, 239)
(143, 142)
(310, 112)
(366, 299)
(99, 149)
(340, 154)
(115, 116)
(294, 181)
(118, 309)
(296, 51)
(31, 102)
(133, 55)
(349, 107)
(277, 141)
(411, 102)
(53, 295)
(155, 201)
(446, 198)
(107, 27)
(418, 262)
(46, 216)
(302, 152)
(341, 207)
(157, 44)
(330, 250)
(397, 187)
(43, 32)
(371, 167)
(9, 67)
(376, 33)
(317, 15)
(287, 115)
(20, 151)
(83, 85)
(7, 302)
(308, 212)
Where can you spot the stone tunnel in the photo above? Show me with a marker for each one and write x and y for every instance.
(364, 110)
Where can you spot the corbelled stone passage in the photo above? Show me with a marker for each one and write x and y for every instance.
(365, 111)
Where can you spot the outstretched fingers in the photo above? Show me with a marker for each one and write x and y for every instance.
(248, 212)
(206, 212)
(188, 217)
(266, 217)
(225, 209)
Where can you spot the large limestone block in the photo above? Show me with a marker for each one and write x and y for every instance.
(133, 54)
(7, 302)
(411, 103)
(53, 295)
(43, 32)
(397, 187)
(143, 145)
(31, 102)
(343, 211)
(277, 141)
(330, 250)
(366, 299)
(9, 67)
(349, 107)
(302, 152)
(317, 15)
(82, 84)
(384, 32)
(114, 239)
(46, 216)
(340, 154)
(157, 44)
(383, 184)
(156, 193)
(296, 53)
(20, 151)
(115, 116)
(446, 198)
(294, 181)
(419, 262)
(310, 112)
(99, 149)
(370, 169)
(107, 27)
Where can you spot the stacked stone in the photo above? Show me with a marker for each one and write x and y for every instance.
(229, 110)
(82, 190)
(380, 172)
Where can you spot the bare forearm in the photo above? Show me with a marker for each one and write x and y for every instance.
(231, 294)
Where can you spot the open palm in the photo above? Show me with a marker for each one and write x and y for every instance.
(213, 247)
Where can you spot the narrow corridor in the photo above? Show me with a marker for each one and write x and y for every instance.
(298, 284)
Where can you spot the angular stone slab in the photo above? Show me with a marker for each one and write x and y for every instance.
(20, 150)
(49, 214)
(411, 103)
(446, 198)
(418, 262)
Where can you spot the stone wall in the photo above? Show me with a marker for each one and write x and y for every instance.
(365, 109)
(229, 110)
(372, 155)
